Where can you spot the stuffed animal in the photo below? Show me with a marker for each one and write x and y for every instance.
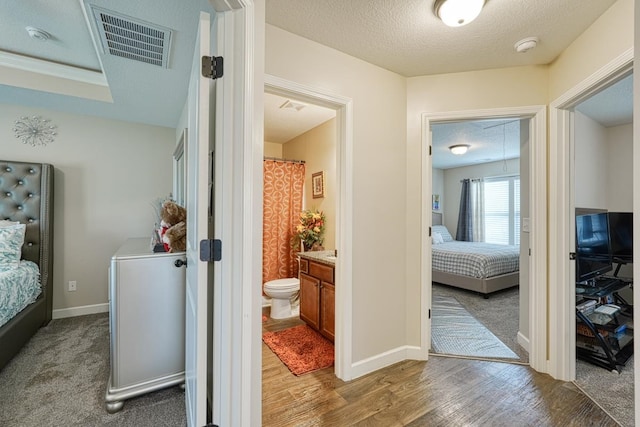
(176, 237)
(173, 215)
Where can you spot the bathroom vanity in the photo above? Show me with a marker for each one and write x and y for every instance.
(317, 291)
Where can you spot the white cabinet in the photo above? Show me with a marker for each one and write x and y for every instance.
(146, 321)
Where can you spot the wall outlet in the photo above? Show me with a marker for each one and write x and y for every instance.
(72, 286)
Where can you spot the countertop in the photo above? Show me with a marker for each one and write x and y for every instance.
(320, 256)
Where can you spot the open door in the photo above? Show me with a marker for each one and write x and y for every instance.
(198, 202)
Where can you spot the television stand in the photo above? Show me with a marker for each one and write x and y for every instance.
(604, 331)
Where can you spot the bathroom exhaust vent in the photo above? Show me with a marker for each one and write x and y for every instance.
(132, 38)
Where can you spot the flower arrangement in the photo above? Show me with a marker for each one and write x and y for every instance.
(310, 230)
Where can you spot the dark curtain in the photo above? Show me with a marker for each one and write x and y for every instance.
(464, 232)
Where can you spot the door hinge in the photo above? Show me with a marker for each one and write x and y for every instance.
(212, 67)
(572, 256)
(210, 250)
(429, 150)
(429, 231)
(429, 313)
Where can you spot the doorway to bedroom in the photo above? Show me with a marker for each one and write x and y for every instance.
(477, 202)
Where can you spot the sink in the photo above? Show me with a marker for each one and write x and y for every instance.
(331, 257)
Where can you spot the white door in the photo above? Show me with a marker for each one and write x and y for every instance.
(197, 202)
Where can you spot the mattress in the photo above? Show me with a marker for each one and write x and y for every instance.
(475, 259)
(18, 288)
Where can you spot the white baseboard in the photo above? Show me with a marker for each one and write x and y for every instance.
(80, 311)
(523, 341)
(382, 360)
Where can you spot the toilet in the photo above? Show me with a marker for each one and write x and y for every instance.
(282, 291)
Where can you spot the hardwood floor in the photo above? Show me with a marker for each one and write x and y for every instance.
(441, 392)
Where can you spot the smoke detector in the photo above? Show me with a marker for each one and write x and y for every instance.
(526, 45)
(38, 34)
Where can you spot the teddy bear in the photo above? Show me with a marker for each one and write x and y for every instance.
(173, 226)
(176, 237)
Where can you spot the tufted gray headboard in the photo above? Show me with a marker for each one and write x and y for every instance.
(26, 195)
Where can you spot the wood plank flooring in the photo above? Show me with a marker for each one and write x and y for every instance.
(441, 392)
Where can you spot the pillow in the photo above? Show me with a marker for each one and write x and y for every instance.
(436, 238)
(7, 223)
(11, 240)
(442, 230)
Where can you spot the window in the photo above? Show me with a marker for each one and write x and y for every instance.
(502, 210)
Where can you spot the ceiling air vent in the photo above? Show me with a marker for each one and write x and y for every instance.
(132, 38)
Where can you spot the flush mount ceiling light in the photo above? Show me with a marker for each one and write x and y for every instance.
(456, 13)
(459, 149)
(38, 34)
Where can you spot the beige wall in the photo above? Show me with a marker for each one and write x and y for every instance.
(607, 38)
(106, 175)
(620, 166)
(499, 88)
(272, 149)
(317, 148)
(379, 200)
(591, 166)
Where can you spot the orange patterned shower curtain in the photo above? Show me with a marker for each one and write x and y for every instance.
(283, 192)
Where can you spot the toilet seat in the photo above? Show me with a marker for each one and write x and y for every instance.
(288, 284)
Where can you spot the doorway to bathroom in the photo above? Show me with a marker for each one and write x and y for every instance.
(322, 150)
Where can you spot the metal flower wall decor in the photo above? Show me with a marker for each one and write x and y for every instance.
(34, 130)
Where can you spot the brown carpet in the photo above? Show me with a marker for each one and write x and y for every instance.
(301, 349)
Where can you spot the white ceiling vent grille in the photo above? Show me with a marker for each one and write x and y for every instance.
(131, 38)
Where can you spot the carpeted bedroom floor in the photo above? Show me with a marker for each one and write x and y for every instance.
(499, 313)
(60, 377)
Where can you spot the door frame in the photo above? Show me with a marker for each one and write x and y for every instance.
(343, 107)
(562, 345)
(538, 222)
(237, 391)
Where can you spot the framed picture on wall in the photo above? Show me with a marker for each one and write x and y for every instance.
(436, 202)
(317, 184)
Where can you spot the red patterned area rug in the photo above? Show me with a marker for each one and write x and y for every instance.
(300, 348)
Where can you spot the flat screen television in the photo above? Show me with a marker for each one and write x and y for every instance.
(621, 236)
(593, 246)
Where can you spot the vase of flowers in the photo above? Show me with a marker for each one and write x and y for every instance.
(310, 230)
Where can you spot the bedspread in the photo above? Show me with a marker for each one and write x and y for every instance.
(475, 259)
(18, 288)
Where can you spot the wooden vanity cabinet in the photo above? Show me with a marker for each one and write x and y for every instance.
(317, 297)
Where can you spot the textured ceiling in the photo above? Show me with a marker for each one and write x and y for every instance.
(405, 36)
(489, 141)
(400, 35)
(283, 124)
(613, 106)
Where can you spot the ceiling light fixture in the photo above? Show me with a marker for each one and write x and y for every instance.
(459, 149)
(456, 13)
(38, 34)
